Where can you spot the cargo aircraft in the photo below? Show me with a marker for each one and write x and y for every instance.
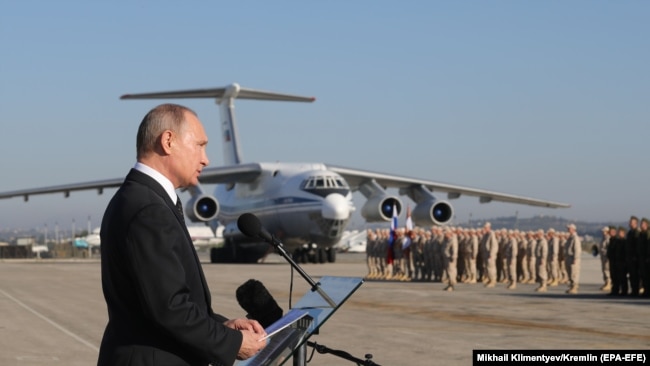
(307, 206)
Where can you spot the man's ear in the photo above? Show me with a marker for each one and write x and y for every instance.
(166, 141)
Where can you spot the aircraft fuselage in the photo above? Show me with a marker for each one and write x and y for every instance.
(298, 203)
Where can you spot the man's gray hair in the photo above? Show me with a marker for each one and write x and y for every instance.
(163, 117)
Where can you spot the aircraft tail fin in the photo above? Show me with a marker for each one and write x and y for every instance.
(225, 98)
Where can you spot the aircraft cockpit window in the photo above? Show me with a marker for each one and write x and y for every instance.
(325, 184)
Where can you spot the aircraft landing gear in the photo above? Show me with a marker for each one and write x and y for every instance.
(312, 253)
(232, 253)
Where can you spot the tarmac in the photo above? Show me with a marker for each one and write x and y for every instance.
(53, 313)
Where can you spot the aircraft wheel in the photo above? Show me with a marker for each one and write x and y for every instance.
(322, 256)
(331, 255)
(220, 255)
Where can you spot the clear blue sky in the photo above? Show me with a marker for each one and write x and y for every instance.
(548, 99)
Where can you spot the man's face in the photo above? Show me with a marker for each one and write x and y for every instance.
(189, 156)
(633, 224)
(644, 226)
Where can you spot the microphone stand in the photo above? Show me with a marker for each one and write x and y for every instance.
(300, 354)
(315, 286)
(342, 354)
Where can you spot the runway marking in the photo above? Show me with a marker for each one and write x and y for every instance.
(53, 323)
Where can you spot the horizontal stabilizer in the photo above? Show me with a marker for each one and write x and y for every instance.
(230, 91)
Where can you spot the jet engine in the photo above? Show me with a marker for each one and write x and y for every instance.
(201, 208)
(433, 212)
(380, 208)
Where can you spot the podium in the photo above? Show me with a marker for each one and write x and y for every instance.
(290, 341)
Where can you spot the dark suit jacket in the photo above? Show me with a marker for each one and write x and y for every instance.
(158, 301)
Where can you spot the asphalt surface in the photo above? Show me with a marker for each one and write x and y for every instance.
(52, 312)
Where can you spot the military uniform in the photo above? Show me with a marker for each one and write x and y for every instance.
(613, 249)
(437, 256)
(553, 253)
(530, 258)
(541, 256)
(572, 253)
(428, 256)
(604, 261)
(510, 255)
(418, 257)
(491, 245)
(502, 264)
(522, 265)
(562, 270)
(450, 256)
(473, 256)
(371, 240)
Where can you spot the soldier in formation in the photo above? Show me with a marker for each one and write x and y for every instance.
(480, 255)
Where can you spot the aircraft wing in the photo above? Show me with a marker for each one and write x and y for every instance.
(228, 174)
(356, 177)
(231, 173)
(99, 185)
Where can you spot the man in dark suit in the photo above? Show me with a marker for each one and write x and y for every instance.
(158, 301)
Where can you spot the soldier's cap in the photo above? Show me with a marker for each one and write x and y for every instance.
(571, 226)
(634, 218)
(551, 230)
(645, 219)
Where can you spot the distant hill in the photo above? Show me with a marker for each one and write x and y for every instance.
(545, 223)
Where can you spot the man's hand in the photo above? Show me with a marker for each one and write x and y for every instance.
(252, 332)
(250, 344)
(246, 324)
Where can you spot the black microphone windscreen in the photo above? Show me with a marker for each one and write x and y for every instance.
(253, 297)
(249, 225)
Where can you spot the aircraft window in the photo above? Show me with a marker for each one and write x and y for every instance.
(317, 182)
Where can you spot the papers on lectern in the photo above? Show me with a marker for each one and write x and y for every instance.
(291, 317)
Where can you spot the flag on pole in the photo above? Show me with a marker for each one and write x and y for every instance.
(409, 228)
(393, 227)
(392, 237)
(409, 220)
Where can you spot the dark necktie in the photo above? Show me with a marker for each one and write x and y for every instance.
(179, 207)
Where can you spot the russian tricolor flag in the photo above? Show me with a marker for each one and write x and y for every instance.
(393, 226)
(391, 238)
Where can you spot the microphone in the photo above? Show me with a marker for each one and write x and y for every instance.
(251, 226)
(253, 297)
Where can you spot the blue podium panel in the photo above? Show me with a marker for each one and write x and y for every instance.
(339, 289)
(282, 345)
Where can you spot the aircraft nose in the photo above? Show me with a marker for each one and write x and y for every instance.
(335, 207)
